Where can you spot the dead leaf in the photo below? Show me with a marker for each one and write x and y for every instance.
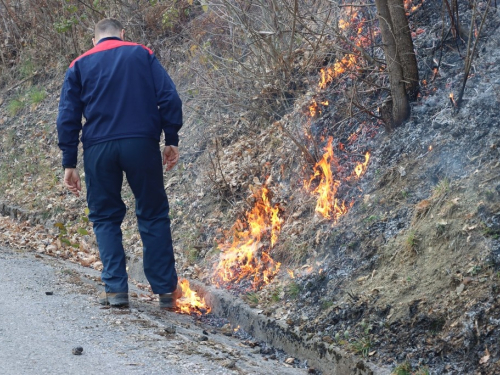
(484, 359)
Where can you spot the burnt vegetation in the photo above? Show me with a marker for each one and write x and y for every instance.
(399, 100)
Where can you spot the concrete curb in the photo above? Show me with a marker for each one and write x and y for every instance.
(20, 214)
(329, 359)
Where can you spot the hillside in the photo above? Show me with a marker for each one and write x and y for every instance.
(404, 268)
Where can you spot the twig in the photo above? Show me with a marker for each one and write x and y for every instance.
(489, 179)
(292, 37)
(310, 159)
(353, 5)
(21, 82)
(470, 55)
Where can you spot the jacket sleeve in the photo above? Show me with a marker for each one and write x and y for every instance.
(69, 119)
(168, 101)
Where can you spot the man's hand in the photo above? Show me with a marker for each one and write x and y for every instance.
(170, 156)
(72, 181)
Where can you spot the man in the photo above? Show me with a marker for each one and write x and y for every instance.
(127, 99)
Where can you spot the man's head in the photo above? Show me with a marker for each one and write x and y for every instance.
(106, 28)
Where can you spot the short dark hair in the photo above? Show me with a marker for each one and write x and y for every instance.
(108, 26)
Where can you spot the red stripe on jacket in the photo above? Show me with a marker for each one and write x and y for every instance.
(107, 45)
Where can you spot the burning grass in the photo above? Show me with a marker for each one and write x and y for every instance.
(247, 257)
(327, 185)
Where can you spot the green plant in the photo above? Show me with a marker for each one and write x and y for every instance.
(326, 304)
(371, 218)
(362, 346)
(36, 95)
(275, 295)
(366, 326)
(193, 255)
(27, 68)
(170, 17)
(402, 369)
(252, 299)
(294, 290)
(442, 187)
(474, 270)
(490, 232)
(411, 240)
(404, 194)
(15, 106)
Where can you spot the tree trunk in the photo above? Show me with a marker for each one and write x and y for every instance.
(400, 105)
(405, 49)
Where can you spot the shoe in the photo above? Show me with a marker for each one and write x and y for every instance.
(114, 299)
(169, 300)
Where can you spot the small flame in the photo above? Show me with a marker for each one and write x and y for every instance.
(327, 205)
(329, 74)
(313, 108)
(452, 100)
(244, 258)
(360, 168)
(410, 8)
(343, 24)
(190, 302)
(290, 272)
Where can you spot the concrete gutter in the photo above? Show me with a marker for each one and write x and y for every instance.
(329, 359)
(20, 214)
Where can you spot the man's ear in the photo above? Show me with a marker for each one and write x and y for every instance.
(93, 41)
(122, 34)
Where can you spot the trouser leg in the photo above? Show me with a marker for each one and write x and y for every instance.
(104, 178)
(141, 161)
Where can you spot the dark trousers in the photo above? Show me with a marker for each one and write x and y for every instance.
(140, 160)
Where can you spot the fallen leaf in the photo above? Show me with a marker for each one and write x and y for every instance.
(484, 359)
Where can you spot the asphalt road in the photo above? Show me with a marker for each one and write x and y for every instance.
(39, 331)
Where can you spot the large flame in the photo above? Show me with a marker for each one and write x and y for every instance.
(245, 257)
(191, 303)
(327, 205)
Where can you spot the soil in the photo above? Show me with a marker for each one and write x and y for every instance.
(409, 277)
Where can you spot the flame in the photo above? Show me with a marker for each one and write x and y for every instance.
(360, 168)
(328, 206)
(190, 302)
(243, 258)
(290, 272)
(410, 8)
(313, 108)
(329, 74)
(343, 24)
(452, 99)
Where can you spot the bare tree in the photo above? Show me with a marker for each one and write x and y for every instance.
(400, 59)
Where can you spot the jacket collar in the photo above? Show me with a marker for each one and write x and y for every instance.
(107, 38)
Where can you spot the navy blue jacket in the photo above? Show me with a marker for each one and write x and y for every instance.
(123, 92)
